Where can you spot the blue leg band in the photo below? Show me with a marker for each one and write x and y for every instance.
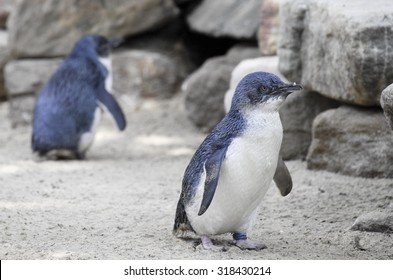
(239, 236)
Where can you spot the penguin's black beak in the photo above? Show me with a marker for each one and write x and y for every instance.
(286, 89)
(115, 42)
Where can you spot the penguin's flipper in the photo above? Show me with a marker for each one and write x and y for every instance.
(282, 178)
(213, 167)
(113, 107)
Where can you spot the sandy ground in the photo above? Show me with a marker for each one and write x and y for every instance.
(120, 202)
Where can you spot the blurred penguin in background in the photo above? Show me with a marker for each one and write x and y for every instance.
(68, 108)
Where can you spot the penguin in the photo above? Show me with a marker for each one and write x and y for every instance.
(234, 166)
(68, 108)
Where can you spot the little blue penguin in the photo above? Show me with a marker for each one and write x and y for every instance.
(234, 166)
(68, 108)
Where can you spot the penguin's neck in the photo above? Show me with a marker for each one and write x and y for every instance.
(263, 121)
(107, 63)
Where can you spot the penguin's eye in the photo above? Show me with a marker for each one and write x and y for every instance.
(263, 89)
(103, 50)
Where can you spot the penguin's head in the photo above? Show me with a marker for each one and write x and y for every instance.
(96, 45)
(261, 89)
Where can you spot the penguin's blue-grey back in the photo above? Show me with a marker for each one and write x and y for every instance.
(69, 102)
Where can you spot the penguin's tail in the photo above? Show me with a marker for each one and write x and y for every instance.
(182, 226)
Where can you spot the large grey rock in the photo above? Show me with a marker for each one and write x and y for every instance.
(297, 115)
(144, 74)
(21, 109)
(51, 27)
(269, 27)
(167, 42)
(352, 141)
(387, 104)
(240, 52)
(376, 221)
(23, 80)
(204, 92)
(342, 50)
(205, 88)
(230, 18)
(28, 76)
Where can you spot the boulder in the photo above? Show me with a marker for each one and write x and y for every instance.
(387, 104)
(297, 115)
(29, 75)
(204, 92)
(47, 28)
(168, 42)
(145, 74)
(342, 50)
(268, 28)
(205, 88)
(230, 18)
(241, 52)
(23, 79)
(21, 108)
(352, 141)
(376, 221)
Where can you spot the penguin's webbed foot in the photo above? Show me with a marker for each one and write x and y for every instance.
(240, 240)
(208, 244)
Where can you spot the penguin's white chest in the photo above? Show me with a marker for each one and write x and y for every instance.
(246, 174)
(107, 62)
(87, 138)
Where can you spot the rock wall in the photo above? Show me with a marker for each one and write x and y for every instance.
(269, 27)
(353, 141)
(43, 28)
(230, 18)
(155, 59)
(387, 104)
(340, 51)
(23, 79)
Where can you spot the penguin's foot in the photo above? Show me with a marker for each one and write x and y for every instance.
(246, 244)
(241, 241)
(208, 244)
(60, 154)
(80, 155)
